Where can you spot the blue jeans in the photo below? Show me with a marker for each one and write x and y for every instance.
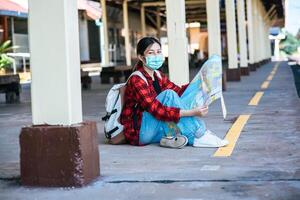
(152, 130)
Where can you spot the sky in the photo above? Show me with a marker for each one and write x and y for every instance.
(293, 16)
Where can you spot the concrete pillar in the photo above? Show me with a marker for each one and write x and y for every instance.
(214, 32)
(50, 152)
(242, 37)
(143, 21)
(84, 39)
(263, 27)
(276, 49)
(12, 25)
(269, 49)
(266, 33)
(256, 34)
(250, 29)
(126, 31)
(263, 32)
(213, 27)
(177, 42)
(233, 72)
(59, 102)
(264, 40)
(158, 22)
(260, 33)
(104, 35)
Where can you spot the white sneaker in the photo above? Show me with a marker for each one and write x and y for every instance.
(209, 139)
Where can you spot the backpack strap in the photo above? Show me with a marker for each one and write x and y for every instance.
(140, 74)
(107, 116)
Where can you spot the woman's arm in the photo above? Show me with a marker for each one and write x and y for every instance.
(200, 112)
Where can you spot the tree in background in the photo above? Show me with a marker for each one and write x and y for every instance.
(298, 34)
(5, 61)
(290, 44)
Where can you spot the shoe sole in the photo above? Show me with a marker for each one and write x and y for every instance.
(186, 141)
(179, 147)
(210, 146)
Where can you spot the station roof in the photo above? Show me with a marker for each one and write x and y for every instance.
(17, 8)
(10, 8)
(195, 9)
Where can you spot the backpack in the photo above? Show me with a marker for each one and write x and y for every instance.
(113, 129)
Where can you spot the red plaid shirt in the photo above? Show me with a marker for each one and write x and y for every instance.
(142, 95)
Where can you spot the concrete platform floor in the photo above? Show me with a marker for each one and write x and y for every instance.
(265, 163)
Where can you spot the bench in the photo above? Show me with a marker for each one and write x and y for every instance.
(87, 70)
(115, 74)
(10, 85)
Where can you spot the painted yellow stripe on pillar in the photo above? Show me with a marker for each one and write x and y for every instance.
(255, 100)
(232, 136)
(265, 85)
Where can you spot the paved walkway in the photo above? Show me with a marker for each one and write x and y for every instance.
(264, 163)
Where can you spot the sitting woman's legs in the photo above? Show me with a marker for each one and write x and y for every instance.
(152, 130)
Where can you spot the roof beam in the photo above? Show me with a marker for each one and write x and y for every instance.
(269, 12)
(162, 3)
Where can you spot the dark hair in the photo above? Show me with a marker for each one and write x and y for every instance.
(142, 45)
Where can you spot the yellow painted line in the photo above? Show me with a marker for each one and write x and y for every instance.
(232, 136)
(265, 85)
(255, 100)
(236, 129)
(270, 77)
(273, 72)
(276, 67)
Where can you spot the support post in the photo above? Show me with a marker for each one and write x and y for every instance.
(59, 149)
(104, 34)
(177, 42)
(250, 26)
(143, 21)
(242, 38)
(233, 72)
(158, 22)
(214, 32)
(213, 27)
(126, 31)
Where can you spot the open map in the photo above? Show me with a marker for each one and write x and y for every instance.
(206, 87)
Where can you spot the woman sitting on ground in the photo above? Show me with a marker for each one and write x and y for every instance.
(153, 111)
